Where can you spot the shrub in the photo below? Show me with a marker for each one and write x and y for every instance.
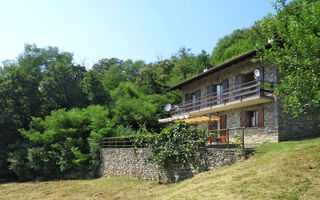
(177, 144)
(63, 144)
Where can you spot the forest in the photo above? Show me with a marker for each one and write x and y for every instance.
(54, 112)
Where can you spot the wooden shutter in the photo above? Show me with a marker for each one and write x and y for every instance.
(225, 90)
(260, 117)
(209, 89)
(238, 81)
(261, 77)
(198, 94)
(242, 118)
(187, 97)
(225, 85)
(223, 122)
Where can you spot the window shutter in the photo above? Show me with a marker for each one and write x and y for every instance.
(242, 118)
(261, 78)
(225, 89)
(238, 80)
(223, 122)
(225, 85)
(260, 117)
(187, 97)
(209, 89)
(198, 94)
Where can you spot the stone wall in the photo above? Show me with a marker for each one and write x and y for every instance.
(292, 128)
(123, 162)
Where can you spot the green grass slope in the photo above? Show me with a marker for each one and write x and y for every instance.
(287, 170)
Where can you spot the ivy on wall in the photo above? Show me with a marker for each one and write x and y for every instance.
(176, 145)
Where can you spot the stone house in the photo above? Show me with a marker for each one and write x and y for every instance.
(234, 94)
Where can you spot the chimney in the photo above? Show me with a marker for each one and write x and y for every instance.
(206, 68)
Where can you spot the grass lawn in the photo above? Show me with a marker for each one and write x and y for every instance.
(287, 170)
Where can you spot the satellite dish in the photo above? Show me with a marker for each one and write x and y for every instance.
(167, 107)
(256, 73)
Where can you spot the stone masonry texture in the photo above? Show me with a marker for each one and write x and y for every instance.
(124, 162)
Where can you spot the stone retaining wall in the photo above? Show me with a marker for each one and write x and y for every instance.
(121, 162)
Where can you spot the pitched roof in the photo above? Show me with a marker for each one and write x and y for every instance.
(224, 65)
(214, 69)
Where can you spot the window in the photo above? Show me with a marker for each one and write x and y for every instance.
(252, 118)
(196, 96)
(216, 126)
(219, 93)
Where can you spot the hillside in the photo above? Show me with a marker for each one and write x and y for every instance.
(287, 170)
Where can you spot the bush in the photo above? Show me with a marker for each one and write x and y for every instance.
(64, 144)
(125, 130)
(177, 144)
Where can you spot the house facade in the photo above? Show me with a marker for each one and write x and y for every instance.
(238, 93)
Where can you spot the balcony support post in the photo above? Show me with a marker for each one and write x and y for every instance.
(227, 134)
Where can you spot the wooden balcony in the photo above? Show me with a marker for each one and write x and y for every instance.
(247, 94)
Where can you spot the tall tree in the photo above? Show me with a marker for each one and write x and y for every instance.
(297, 57)
(91, 85)
(113, 77)
(60, 86)
(104, 64)
(239, 42)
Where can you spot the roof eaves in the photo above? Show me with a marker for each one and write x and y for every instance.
(214, 69)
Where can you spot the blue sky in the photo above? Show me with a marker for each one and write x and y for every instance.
(146, 30)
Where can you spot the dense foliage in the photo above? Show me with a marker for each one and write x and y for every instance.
(63, 144)
(239, 41)
(50, 127)
(174, 145)
(297, 56)
(42, 80)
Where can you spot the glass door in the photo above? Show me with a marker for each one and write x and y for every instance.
(219, 94)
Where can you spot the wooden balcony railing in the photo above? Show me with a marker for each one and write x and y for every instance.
(117, 142)
(231, 94)
(222, 138)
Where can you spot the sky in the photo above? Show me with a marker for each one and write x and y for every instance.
(149, 30)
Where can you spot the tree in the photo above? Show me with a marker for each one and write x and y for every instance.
(297, 57)
(239, 42)
(41, 79)
(20, 99)
(104, 64)
(112, 78)
(62, 144)
(60, 86)
(132, 108)
(131, 70)
(149, 80)
(91, 85)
